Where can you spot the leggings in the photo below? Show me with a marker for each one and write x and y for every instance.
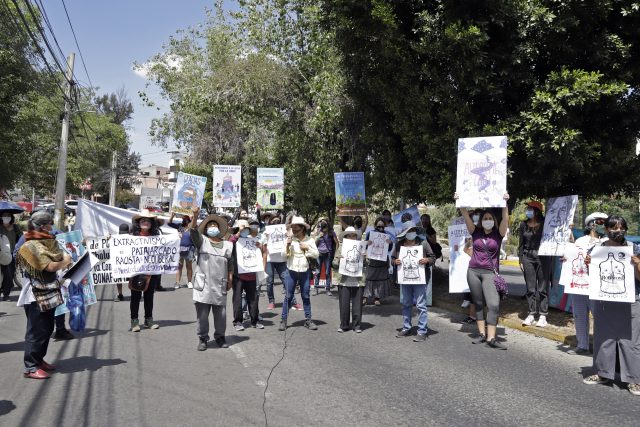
(484, 292)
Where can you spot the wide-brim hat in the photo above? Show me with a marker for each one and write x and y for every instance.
(406, 226)
(594, 216)
(298, 220)
(253, 221)
(223, 225)
(349, 230)
(145, 213)
(535, 204)
(240, 223)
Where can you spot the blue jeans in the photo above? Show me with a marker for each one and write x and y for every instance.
(303, 280)
(283, 272)
(429, 290)
(407, 294)
(325, 260)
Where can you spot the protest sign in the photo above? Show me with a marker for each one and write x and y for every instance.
(611, 275)
(352, 257)
(458, 258)
(409, 214)
(350, 193)
(132, 255)
(71, 243)
(248, 255)
(276, 238)
(556, 231)
(574, 275)
(378, 249)
(270, 188)
(410, 271)
(149, 202)
(227, 186)
(102, 273)
(481, 179)
(188, 193)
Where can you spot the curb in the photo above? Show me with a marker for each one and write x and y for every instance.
(510, 262)
(547, 333)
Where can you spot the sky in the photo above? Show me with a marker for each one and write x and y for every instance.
(113, 34)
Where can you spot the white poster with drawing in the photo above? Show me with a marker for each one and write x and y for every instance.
(248, 255)
(458, 258)
(611, 276)
(481, 180)
(276, 238)
(410, 271)
(574, 275)
(352, 257)
(556, 232)
(378, 249)
(227, 186)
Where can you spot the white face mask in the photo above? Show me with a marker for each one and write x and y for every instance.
(411, 235)
(6, 219)
(487, 224)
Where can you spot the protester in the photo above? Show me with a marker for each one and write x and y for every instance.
(244, 282)
(40, 258)
(5, 254)
(429, 233)
(145, 224)
(327, 242)
(276, 263)
(122, 229)
(594, 235)
(214, 277)
(300, 248)
(468, 249)
(350, 294)
(486, 238)
(377, 283)
(187, 250)
(616, 325)
(12, 232)
(408, 292)
(536, 269)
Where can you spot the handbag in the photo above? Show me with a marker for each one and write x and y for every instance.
(139, 283)
(498, 280)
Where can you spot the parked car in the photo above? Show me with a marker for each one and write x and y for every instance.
(51, 208)
(71, 204)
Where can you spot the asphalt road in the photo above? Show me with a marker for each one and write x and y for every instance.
(109, 376)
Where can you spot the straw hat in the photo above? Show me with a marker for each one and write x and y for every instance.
(535, 204)
(145, 213)
(223, 225)
(349, 230)
(298, 220)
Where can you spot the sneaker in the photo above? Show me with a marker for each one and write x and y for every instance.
(340, 330)
(283, 325)
(222, 343)
(479, 339)
(578, 351)
(376, 302)
(364, 301)
(120, 297)
(63, 334)
(465, 304)
(469, 320)
(258, 325)
(271, 306)
(310, 325)
(176, 286)
(189, 285)
(403, 333)
(149, 323)
(595, 379)
(634, 389)
(528, 321)
(238, 326)
(135, 325)
(202, 345)
(358, 330)
(298, 307)
(420, 338)
(542, 322)
(37, 375)
(495, 344)
(329, 293)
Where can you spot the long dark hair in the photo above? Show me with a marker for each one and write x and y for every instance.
(495, 219)
(615, 220)
(153, 231)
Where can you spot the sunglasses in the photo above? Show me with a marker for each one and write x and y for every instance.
(599, 221)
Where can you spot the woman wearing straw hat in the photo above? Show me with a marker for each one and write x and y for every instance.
(145, 223)
(536, 269)
(300, 248)
(213, 276)
(350, 293)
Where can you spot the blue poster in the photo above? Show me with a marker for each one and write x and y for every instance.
(350, 194)
(409, 214)
(188, 193)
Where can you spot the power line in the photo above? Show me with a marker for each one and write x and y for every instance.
(84, 65)
(48, 24)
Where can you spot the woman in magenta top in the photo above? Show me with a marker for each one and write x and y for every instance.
(487, 237)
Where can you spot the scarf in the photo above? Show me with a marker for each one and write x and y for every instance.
(37, 252)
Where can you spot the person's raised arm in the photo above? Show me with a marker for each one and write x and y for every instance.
(504, 224)
(194, 218)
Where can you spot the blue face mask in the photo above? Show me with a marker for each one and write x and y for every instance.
(213, 231)
(244, 233)
(529, 213)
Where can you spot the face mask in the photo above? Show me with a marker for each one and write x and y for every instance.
(487, 224)
(475, 218)
(599, 229)
(6, 219)
(616, 236)
(529, 213)
(244, 233)
(411, 235)
(213, 231)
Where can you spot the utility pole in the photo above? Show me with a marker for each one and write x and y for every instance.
(61, 179)
(112, 186)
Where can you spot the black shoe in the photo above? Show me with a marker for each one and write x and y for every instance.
(579, 351)
(310, 325)
(480, 339)
(63, 334)
(469, 320)
(283, 325)
(495, 344)
(159, 288)
(120, 297)
(403, 333)
(5, 298)
(420, 338)
(202, 345)
(222, 343)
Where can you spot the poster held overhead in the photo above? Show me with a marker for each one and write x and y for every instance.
(350, 193)
(481, 179)
(556, 231)
(270, 188)
(227, 186)
(188, 194)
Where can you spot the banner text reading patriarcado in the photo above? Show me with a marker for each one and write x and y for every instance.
(131, 255)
